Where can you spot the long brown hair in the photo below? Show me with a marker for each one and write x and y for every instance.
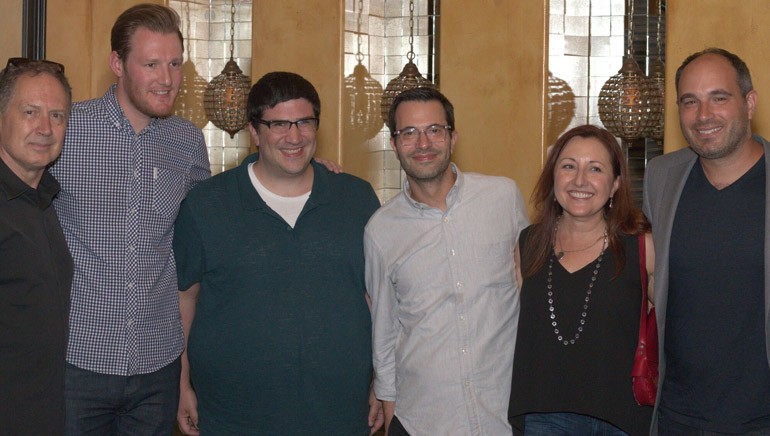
(622, 219)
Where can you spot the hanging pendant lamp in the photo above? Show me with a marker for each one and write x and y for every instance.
(363, 94)
(410, 76)
(226, 96)
(189, 100)
(629, 102)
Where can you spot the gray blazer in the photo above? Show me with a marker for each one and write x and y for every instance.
(664, 180)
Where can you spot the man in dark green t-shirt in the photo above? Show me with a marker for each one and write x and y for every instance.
(270, 260)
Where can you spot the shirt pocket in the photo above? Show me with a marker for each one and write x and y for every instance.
(494, 261)
(168, 191)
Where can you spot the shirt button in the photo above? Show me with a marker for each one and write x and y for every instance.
(463, 350)
(131, 248)
(446, 219)
(452, 252)
(130, 322)
(462, 317)
(130, 285)
(459, 285)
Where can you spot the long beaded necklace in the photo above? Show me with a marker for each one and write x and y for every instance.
(559, 336)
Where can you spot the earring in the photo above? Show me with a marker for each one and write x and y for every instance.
(610, 202)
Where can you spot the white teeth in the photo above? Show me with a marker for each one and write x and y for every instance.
(709, 131)
(581, 194)
(294, 152)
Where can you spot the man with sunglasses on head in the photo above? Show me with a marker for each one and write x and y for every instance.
(35, 265)
(126, 166)
(440, 273)
(270, 261)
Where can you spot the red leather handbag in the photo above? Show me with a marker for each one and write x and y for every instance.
(645, 371)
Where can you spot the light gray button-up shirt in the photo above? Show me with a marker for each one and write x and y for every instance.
(445, 305)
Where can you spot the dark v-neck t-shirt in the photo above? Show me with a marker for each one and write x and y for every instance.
(717, 374)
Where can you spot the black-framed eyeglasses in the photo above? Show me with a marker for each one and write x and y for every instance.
(283, 126)
(411, 135)
(18, 62)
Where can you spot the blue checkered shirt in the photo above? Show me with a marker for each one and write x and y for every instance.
(120, 193)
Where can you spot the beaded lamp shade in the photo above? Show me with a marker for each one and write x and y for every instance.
(561, 106)
(189, 101)
(410, 76)
(630, 103)
(226, 95)
(363, 102)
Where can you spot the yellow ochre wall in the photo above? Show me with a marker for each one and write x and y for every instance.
(10, 29)
(492, 69)
(78, 35)
(738, 26)
(305, 37)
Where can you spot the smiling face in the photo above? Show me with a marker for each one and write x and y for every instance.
(286, 156)
(425, 161)
(583, 178)
(713, 114)
(32, 126)
(149, 77)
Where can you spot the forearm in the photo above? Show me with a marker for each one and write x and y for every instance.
(187, 302)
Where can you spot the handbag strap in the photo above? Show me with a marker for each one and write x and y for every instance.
(643, 271)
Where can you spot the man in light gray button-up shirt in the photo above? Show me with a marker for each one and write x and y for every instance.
(440, 274)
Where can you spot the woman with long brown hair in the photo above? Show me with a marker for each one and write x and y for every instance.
(581, 294)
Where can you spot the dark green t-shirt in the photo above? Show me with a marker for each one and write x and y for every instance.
(281, 340)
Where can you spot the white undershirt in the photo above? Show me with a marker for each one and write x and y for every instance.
(288, 208)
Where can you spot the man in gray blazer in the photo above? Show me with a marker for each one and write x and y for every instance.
(708, 208)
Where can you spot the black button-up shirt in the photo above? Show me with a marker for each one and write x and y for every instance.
(35, 278)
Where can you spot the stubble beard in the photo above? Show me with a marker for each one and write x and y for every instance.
(732, 141)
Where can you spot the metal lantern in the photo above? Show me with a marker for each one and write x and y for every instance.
(363, 93)
(362, 102)
(189, 100)
(629, 102)
(226, 96)
(410, 76)
(561, 106)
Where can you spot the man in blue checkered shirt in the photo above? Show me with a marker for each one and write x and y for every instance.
(126, 166)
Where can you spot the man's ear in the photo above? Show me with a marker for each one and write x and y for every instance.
(116, 64)
(254, 136)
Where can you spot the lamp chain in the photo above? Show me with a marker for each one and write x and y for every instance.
(359, 54)
(657, 30)
(630, 49)
(410, 55)
(232, 28)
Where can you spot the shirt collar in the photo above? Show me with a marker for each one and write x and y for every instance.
(319, 193)
(118, 117)
(452, 197)
(13, 187)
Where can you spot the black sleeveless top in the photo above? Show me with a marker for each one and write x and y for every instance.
(593, 376)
